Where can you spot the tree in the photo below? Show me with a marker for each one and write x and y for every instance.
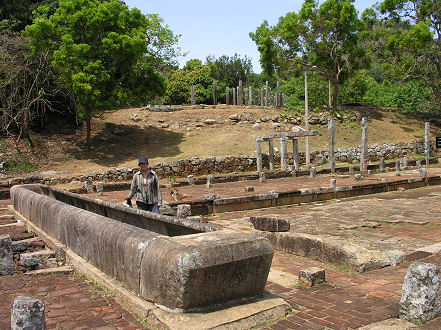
(15, 15)
(26, 85)
(417, 48)
(194, 73)
(323, 38)
(230, 70)
(103, 53)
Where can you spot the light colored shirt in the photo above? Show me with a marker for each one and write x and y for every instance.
(146, 188)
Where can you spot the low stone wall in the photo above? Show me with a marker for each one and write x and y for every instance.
(229, 164)
(180, 272)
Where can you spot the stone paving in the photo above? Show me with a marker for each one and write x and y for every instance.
(348, 300)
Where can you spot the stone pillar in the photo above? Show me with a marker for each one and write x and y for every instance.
(210, 180)
(100, 188)
(215, 92)
(190, 179)
(333, 183)
(240, 94)
(262, 177)
(234, 96)
(266, 93)
(364, 145)
(427, 142)
(250, 95)
(397, 168)
(271, 154)
(307, 153)
(245, 91)
(421, 293)
(313, 172)
(193, 95)
(259, 154)
(418, 163)
(295, 153)
(227, 95)
(423, 172)
(331, 143)
(382, 164)
(27, 313)
(6, 256)
(277, 103)
(283, 153)
(262, 98)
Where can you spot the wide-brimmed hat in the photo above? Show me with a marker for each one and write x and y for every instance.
(143, 160)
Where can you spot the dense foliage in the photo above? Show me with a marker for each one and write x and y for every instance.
(99, 50)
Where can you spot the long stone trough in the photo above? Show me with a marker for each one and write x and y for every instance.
(176, 263)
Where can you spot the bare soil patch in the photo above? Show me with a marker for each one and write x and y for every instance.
(120, 137)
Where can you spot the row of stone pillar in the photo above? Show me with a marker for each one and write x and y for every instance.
(283, 153)
(364, 155)
(241, 95)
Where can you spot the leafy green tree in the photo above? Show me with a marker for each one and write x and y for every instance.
(416, 48)
(323, 38)
(194, 73)
(103, 53)
(230, 70)
(15, 15)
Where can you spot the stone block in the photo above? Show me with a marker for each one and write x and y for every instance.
(312, 276)
(423, 172)
(211, 197)
(204, 268)
(249, 188)
(358, 176)
(262, 177)
(190, 179)
(183, 210)
(313, 172)
(421, 293)
(31, 259)
(100, 188)
(6, 255)
(270, 224)
(27, 313)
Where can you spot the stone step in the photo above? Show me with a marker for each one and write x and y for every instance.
(13, 224)
(30, 259)
(53, 270)
(23, 245)
(7, 216)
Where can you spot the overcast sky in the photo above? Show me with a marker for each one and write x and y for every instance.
(221, 27)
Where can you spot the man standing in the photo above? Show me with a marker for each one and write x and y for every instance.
(145, 185)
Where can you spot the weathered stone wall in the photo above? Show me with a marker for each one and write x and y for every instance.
(231, 164)
(180, 272)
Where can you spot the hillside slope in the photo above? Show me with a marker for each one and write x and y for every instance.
(120, 137)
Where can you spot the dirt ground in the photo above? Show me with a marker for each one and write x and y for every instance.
(120, 137)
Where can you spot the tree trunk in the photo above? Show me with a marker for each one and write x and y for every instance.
(335, 97)
(88, 129)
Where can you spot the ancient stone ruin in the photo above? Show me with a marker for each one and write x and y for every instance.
(172, 262)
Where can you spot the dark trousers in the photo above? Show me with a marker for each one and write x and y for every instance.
(147, 207)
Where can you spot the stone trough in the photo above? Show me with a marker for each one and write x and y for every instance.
(176, 263)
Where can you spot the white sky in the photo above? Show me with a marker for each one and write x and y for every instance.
(221, 27)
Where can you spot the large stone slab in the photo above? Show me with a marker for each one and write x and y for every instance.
(205, 266)
(272, 224)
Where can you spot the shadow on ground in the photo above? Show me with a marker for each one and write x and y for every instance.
(117, 143)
